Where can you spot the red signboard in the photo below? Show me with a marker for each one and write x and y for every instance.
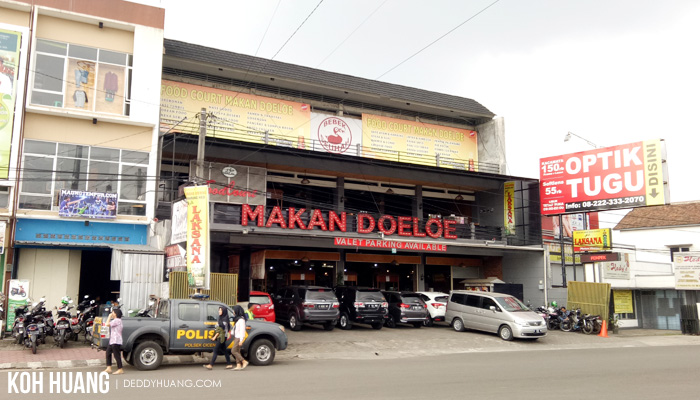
(599, 257)
(630, 175)
(388, 244)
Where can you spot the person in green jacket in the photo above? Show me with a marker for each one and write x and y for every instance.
(223, 326)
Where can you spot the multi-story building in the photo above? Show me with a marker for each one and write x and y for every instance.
(323, 178)
(80, 147)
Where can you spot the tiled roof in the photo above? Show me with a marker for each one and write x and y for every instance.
(677, 214)
(193, 52)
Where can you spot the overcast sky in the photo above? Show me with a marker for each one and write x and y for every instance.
(613, 72)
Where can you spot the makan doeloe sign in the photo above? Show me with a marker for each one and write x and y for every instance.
(625, 176)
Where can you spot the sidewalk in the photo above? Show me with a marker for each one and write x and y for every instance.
(313, 343)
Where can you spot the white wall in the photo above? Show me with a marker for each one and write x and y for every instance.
(51, 273)
(653, 245)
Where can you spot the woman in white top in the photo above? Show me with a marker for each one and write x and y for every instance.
(238, 337)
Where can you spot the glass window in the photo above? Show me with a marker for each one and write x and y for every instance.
(104, 154)
(47, 99)
(4, 196)
(103, 177)
(473, 301)
(212, 312)
(37, 175)
(511, 304)
(259, 299)
(411, 299)
(320, 294)
(459, 298)
(35, 202)
(487, 303)
(48, 46)
(86, 53)
(113, 57)
(72, 150)
(370, 295)
(133, 182)
(124, 208)
(71, 174)
(188, 312)
(36, 147)
(442, 299)
(135, 157)
(49, 73)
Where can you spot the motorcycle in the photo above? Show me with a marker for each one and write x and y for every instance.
(34, 327)
(42, 318)
(553, 318)
(87, 319)
(591, 324)
(2, 316)
(573, 322)
(62, 327)
(18, 291)
(147, 312)
(18, 324)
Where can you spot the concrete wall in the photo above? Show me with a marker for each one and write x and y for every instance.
(658, 240)
(528, 269)
(492, 143)
(51, 273)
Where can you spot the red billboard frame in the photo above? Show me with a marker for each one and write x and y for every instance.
(624, 176)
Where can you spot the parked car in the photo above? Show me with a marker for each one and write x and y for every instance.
(405, 307)
(437, 304)
(307, 304)
(262, 309)
(493, 312)
(186, 327)
(361, 305)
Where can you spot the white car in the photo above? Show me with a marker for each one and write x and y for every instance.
(437, 304)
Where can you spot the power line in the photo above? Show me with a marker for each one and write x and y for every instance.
(297, 30)
(438, 39)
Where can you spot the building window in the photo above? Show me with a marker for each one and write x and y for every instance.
(678, 249)
(83, 78)
(49, 167)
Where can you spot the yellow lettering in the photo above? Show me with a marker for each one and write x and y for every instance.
(190, 335)
(180, 333)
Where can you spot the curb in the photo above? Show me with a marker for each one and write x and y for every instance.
(92, 363)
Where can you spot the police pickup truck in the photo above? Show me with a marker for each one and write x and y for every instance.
(186, 327)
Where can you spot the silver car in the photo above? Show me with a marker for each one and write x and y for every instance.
(493, 312)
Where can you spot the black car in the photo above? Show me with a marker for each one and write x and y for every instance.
(306, 304)
(405, 307)
(363, 305)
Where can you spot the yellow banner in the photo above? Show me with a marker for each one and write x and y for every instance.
(236, 116)
(593, 240)
(197, 236)
(623, 301)
(9, 53)
(509, 207)
(653, 172)
(392, 139)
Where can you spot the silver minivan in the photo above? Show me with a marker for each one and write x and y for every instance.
(493, 312)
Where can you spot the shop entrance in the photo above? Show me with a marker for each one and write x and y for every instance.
(280, 273)
(95, 267)
(437, 278)
(385, 272)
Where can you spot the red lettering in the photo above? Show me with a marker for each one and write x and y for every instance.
(429, 231)
(295, 218)
(449, 228)
(276, 217)
(392, 224)
(248, 214)
(195, 260)
(317, 220)
(416, 230)
(361, 218)
(404, 224)
(196, 234)
(333, 220)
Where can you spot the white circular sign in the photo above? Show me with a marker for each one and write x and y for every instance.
(229, 172)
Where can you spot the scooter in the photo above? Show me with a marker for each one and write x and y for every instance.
(18, 324)
(62, 328)
(18, 291)
(2, 316)
(34, 328)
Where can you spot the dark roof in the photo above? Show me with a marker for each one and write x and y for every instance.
(256, 65)
(677, 214)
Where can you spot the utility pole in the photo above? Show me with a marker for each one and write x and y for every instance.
(199, 171)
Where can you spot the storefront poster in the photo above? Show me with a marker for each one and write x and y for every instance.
(616, 270)
(392, 139)
(110, 90)
(197, 236)
(257, 265)
(175, 260)
(235, 115)
(18, 295)
(80, 84)
(179, 222)
(3, 228)
(623, 301)
(595, 240)
(9, 59)
(234, 184)
(78, 203)
(686, 267)
(509, 208)
(335, 134)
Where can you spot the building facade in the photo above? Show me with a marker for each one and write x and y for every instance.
(77, 186)
(323, 178)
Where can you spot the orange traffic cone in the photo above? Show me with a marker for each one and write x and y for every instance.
(604, 329)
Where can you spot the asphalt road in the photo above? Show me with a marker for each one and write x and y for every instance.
(623, 373)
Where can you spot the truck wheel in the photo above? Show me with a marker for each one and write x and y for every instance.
(377, 325)
(344, 321)
(261, 352)
(128, 357)
(329, 325)
(147, 356)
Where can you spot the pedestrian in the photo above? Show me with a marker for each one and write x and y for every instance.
(223, 326)
(239, 335)
(249, 313)
(115, 341)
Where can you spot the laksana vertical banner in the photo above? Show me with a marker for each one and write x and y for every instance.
(197, 236)
(509, 207)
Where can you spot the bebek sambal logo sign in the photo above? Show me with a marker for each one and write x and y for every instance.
(335, 135)
(625, 176)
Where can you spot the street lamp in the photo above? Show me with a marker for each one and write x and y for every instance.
(568, 137)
